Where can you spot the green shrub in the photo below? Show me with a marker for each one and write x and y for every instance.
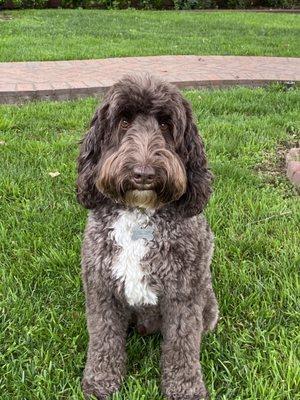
(34, 3)
(11, 4)
(149, 4)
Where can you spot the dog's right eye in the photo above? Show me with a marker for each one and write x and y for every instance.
(125, 124)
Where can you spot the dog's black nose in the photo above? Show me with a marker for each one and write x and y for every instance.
(143, 174)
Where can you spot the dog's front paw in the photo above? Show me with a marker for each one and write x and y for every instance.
(177, 390)
(197, 396)
(98, 387)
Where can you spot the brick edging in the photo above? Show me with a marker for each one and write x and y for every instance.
(19, 97)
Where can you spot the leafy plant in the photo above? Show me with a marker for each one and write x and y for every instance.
(149, 4)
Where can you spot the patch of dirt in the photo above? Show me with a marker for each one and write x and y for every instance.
(274, 166)
(5, 17)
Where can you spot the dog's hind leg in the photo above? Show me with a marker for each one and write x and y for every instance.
(148, 320)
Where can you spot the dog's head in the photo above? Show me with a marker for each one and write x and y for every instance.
(143, 150)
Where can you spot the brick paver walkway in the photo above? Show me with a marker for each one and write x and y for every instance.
(62, 80)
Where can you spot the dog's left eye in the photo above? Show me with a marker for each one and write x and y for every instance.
(164, 126)
(124, 124)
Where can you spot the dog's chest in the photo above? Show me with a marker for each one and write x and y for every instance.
(133, 234)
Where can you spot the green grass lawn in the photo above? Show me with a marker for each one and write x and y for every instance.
(254, 213)
(84, 34)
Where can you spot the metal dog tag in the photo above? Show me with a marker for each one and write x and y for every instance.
(142, 233)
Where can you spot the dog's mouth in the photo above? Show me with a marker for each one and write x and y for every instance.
(144, 198)
(143, 187)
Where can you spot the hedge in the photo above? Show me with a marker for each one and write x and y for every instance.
(149, 4)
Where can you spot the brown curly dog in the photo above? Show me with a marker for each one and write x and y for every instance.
(147, 249)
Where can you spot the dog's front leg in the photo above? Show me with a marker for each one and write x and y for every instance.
(106, 358)
(181, 371)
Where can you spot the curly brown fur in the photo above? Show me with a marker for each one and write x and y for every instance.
(142, 170)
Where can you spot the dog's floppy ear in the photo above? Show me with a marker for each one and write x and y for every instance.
(89, 155)
(199, 178)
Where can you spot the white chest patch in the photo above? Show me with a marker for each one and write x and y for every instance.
(133, 248)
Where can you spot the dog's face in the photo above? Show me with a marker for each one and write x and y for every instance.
(143, 149)
(140, 164)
